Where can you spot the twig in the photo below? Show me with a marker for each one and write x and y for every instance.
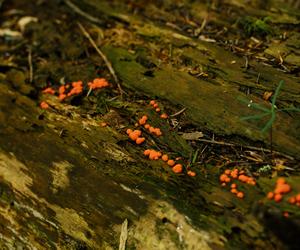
(82, 13)
(30, 65)
(103, 56)
(246, 63)
(178, 113)
(257, 79)
(199, 30)
(248, 147)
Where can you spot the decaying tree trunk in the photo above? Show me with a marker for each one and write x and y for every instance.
(68, 183)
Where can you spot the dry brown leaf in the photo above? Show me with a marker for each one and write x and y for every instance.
(192, 136)
(267, 95)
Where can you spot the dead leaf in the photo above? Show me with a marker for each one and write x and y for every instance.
(23, 21)
(254, 156)
(10, 33)
(206, 39)
(267, 95)
(192, 136)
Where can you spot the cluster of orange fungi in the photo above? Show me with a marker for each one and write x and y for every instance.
(155, 105)
(152, 130)
(280, 190)
(229, 176)
(74, 88)
(135, 135)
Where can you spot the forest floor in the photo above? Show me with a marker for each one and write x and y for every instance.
(209, 88)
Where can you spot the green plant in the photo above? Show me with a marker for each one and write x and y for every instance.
(267, 112)
(254, 26)
(271, 112)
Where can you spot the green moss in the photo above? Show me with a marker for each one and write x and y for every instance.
(256, 27)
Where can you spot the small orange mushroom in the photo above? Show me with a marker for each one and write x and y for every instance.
(292, 200)
(135, 134)
(97, 83)
(61, 89)
(171, 163)
(234, 190)
(129, 131)
(147, 152)
(282, 189)
(143, 120)
(49, 91)
(191, 173)
(227, 180)
(61, 97)
(270, 195)
(103, 124)
(286, 214)
(280, 181)
(277, 197)
(223, 177)
(177, 168)
(165, 157)
(140, 140)
(227, 171)
(240, 195)
(164, 116)
(44, 105)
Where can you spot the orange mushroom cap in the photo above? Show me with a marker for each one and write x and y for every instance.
(165, 157)
(177, 168)
(270, 195)
(140, 140)
(147, 152)
(240, 195)
(292, 200)
(61, 89)
(44, 105)
(171, 163)
(280, 181)
(277, 197)
(191, 173)
(234, 190)
(61, 97)
(129, 131)
(227, 180)
(227, 171)
(164, 116)
(49, 91)
(223, 177)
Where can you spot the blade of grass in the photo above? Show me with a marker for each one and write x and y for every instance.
(254, 117)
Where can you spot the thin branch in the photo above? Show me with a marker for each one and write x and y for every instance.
(247, 147)
(82, 13)
(30, 65)
(103, 56)
(178, 113)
